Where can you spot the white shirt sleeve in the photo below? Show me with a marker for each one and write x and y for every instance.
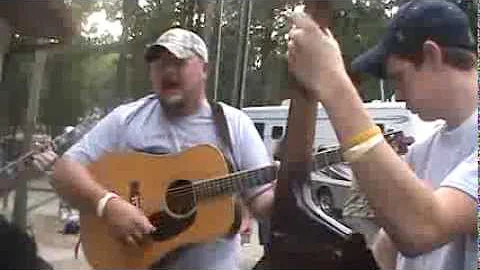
(251, 151)
(464, 177)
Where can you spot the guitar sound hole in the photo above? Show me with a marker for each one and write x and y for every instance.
(180, 198)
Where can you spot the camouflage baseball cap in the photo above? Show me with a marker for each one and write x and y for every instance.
(182, 43)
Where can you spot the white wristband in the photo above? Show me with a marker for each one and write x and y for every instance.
(102, 203)
(357, 151)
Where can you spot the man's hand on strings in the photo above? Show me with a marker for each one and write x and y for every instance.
(45, 160)
(127, 223)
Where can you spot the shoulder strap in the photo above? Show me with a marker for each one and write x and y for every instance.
(226, 142)
(223, 132)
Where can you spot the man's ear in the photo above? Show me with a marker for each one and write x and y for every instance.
(432, 55)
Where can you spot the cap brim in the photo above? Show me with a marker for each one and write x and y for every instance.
(176, 50)
(372, 62)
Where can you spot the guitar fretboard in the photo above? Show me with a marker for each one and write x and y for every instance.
(236, 182)
(60, 144)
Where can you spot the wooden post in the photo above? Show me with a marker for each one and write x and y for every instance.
(35, 85)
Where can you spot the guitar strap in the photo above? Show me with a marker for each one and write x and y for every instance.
(223, 133)
(227, 148)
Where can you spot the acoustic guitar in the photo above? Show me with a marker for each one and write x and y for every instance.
(187, 196)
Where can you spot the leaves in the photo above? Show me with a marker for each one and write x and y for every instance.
(100, 71)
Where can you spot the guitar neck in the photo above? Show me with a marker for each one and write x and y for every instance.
(60, 144)
(233, 183)
(333, 155)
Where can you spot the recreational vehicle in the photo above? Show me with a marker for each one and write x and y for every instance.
(271, 122)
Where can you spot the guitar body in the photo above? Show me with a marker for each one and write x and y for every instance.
(188, 222)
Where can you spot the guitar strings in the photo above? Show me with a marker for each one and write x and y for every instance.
(230, 182)
(212, 185)
(216, 185)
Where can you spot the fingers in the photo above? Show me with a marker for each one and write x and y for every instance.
(128, 224)
(140, 233)
(129, 240)
(38, 165)
(44, 160)
(138, 237)
(135, 237)
(302, 20)
(145, 227)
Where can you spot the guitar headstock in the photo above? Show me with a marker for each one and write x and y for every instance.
(330, 155)
(60, 144)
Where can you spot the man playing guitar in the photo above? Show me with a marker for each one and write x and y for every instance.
(173, 119)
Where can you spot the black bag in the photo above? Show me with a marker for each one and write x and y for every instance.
(18, 250)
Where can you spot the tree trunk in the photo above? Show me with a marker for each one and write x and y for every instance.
(123, 78)
(241, 63)
(209, 9)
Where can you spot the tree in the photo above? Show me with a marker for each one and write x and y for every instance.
(103, 71)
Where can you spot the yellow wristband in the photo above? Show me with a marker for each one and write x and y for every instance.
(356, 152)
(362, 136)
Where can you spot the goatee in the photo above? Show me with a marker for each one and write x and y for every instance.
(172, 105)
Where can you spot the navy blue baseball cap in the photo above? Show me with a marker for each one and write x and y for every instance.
(415, 22)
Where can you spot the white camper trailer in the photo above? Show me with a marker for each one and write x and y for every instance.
(271, 121)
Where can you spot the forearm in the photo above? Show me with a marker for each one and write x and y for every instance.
(261, 207)
(405, 207)
(74, 183)
(345, 108)
(384, 251)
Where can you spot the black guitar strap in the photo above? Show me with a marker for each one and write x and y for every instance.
(224, 134)
(227, 148)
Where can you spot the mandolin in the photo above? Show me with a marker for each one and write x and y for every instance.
(9, 173)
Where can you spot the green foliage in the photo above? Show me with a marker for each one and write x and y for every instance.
(103, 71)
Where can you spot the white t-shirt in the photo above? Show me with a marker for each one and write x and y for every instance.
(142, 126)
(448, 158)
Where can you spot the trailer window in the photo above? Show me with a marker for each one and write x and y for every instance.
(277, 132)
(260, 128)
